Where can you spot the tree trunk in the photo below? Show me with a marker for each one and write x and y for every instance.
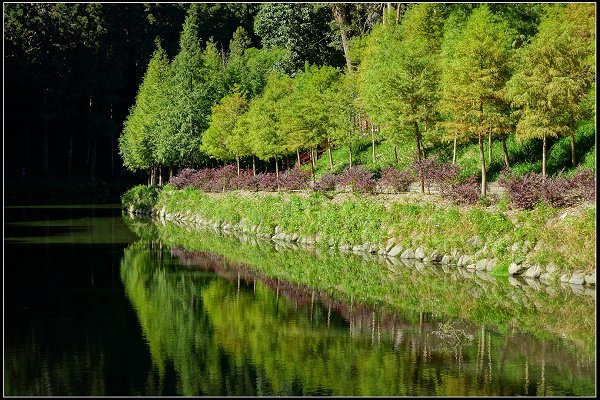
(237, 160)
(253, 165)
(418, 139)
(152, 177)
(277, 169)
(339, 14)
(490, 148)
(373, 141)
(398, 12)
(159, 175)
(170, 173)
(454, 151)
(350, 154)
(505, 151)
(70, 154)
(544, 157)
(298, 155)
(483, 172)
(330, 158)
(573, 160)
(396, 153)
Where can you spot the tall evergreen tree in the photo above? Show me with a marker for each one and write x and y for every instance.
(221, 140)
(137, 142)
(473, 87)
(554, 75)
(183, 121)
(263, 119)
(400, 75)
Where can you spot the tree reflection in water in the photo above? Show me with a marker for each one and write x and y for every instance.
(231, 329)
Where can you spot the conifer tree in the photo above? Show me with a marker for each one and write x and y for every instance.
(554, 75)
(475, 77)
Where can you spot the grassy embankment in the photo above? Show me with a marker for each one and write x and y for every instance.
(544, 235)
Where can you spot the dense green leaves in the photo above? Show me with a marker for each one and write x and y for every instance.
(431, 73)
(555, 74)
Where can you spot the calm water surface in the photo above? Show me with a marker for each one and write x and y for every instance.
(92, 309)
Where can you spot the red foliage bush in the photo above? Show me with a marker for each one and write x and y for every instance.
(358, 179)
(327, 182)
(395, 179)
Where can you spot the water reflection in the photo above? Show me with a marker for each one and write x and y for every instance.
(241, 332)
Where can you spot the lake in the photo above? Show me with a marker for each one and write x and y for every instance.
(100, 304)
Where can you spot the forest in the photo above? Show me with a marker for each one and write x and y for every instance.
(158, 88)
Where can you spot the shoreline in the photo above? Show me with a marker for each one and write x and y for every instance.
(512, 254)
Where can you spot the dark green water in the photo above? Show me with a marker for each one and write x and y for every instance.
(91, 309)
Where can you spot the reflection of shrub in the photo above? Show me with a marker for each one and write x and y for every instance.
(395, 179)
(358, 179)
(140, 197)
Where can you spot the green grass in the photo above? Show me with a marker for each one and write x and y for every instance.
(140, 197)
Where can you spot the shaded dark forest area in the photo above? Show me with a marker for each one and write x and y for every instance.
(71, 73)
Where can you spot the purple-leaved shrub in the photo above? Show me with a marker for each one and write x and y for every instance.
(464, 192)
(357, 179)
(183, 178)
(392, 178)
(432, 171)
(294, 179)
(246, 180)
(267, 181)
(557, 191)
(327, 182)
(583, 185)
